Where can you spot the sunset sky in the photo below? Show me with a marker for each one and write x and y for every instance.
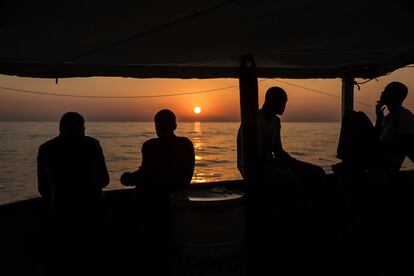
(220, 105)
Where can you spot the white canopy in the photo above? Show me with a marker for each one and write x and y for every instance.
(204, 39)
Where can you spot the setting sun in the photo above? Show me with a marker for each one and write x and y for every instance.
(197, 109)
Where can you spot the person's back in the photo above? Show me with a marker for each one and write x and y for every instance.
(167, 167)
(167, 161)
(71, 175)
(397, 135)
(168, 164)
(71, 172)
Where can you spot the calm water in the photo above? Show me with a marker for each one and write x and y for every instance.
(215, 148)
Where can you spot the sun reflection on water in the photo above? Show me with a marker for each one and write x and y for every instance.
(197, 127)
(198, 177)
(198, 145)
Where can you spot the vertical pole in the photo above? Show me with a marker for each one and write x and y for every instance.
(249, 103)
(347, 95)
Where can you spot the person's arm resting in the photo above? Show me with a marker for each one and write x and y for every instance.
(280, 153)
(131, 178)
(408, 144)
(42, 183)
(102, 176)
(136, 178)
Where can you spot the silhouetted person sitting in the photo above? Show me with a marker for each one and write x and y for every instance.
(71, 174)
(287, 184)
(271, 152)
(167, 167)
(167, 161)
(384, 147)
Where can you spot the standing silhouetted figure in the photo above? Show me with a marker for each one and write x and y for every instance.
(71, 175)
(167, 167)
(384, 146)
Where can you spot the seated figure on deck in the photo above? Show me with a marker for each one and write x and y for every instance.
(383, 147)
(289, 188)
(271, 152)
(71, 174)
(71, 169)
(167, 161)
(167, 167)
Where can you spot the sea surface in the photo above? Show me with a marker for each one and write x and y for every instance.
(214, 143)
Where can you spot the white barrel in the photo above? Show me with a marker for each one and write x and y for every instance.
(208, 233)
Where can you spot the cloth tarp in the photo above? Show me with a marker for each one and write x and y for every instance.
(204, 39)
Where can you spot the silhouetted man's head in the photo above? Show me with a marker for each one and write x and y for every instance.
(393, 95)
(275, 101)
(165, 123)
(72, 123)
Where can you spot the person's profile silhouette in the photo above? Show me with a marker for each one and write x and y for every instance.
(271, 152)
(383, 147)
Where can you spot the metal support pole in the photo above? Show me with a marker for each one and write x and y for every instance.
(249, 102)
(347, 95)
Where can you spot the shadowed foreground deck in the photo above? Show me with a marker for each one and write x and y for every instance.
(363, 226)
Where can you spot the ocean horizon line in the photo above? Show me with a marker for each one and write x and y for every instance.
(151, 121)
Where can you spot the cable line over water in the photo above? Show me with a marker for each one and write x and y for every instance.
(319, 92)
(164, 95)
(121, 97)
(116, 97)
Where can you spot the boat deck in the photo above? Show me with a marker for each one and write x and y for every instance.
(362, 226)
